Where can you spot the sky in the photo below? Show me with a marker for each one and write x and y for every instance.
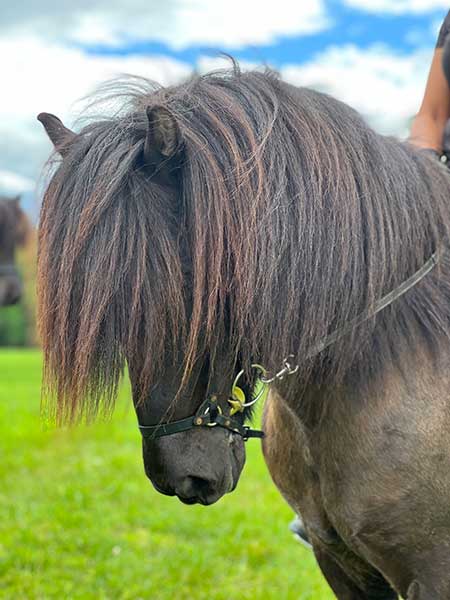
(372, 54)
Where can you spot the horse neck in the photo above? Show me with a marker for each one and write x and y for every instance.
(406, 219)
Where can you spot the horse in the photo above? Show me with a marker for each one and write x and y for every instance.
(233, 231)
(13, 233)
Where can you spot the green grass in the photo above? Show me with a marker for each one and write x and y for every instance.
(78, 519)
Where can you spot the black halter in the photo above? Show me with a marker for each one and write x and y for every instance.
(208, 415)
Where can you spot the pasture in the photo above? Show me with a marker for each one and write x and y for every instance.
(78, 518)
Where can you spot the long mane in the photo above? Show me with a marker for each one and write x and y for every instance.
(291, 217)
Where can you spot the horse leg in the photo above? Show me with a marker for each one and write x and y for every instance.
(385, 484)
(339, 582)
(286, 452)
(373, 587)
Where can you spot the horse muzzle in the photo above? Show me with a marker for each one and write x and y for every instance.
(198, 466)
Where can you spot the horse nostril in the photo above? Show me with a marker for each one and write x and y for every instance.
(202, 486)
(195, 487)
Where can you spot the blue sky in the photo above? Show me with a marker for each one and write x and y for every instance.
(372, 54)
(400, 32)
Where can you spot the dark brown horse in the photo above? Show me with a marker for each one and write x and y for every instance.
(234, 220)
(13, 232)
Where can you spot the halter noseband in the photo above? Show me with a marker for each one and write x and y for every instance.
(208, 415)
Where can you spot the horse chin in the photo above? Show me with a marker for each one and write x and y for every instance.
(199, 467)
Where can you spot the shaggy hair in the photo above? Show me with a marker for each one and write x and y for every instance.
(290, 216)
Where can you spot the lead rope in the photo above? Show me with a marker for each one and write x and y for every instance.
(289, 369)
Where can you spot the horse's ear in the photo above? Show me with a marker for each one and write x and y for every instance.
(163, 139)
(60, 136)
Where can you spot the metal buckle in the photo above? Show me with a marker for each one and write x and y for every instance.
(287, 369)
(236, 403)
(207, 411)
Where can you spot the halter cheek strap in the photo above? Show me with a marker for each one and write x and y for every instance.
(208, 415)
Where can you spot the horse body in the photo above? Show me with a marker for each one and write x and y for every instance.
(371, 482)
(13, 232)
(235, 219)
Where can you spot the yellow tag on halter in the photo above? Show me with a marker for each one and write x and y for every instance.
(237, 400)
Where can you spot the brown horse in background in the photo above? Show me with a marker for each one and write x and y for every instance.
(14, 229)
(234, 220)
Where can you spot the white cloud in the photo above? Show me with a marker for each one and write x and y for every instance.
(12, 183)
(386, 88)
(51, 78)
(205, 64)
(221, 23)
(46, 71)
(398, 6)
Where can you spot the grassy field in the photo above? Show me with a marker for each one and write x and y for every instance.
(78, 519)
